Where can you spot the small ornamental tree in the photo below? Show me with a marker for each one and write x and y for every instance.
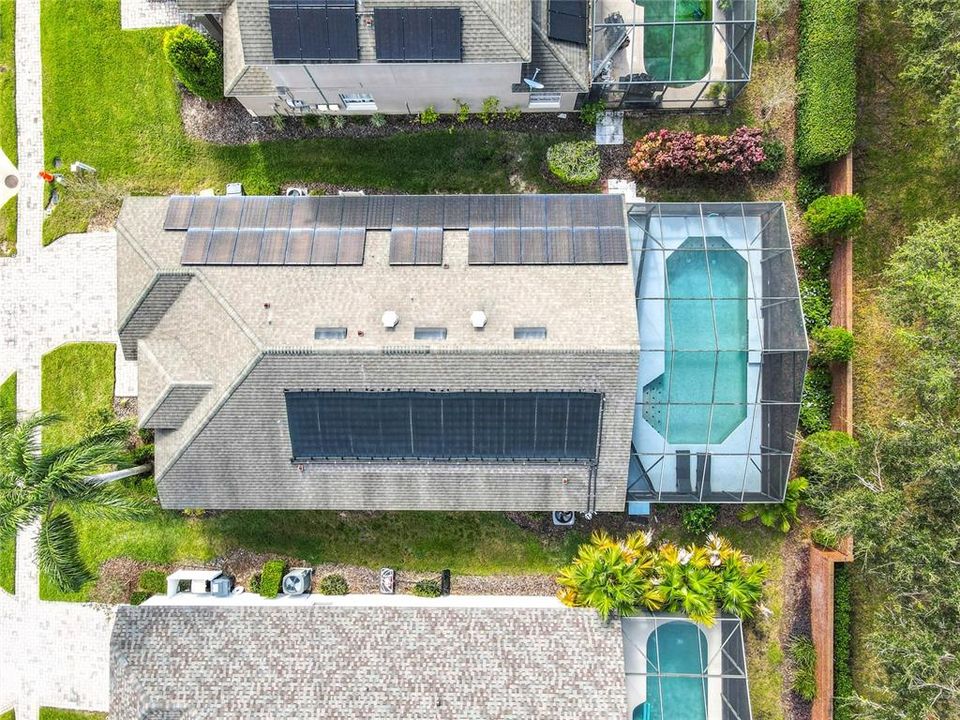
(196, 61)
(834, 344)
(835, 214)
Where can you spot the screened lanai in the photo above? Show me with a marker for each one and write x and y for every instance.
(722, 352)
(676, 668)
(672, 53)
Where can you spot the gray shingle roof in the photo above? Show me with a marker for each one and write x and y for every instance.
(365, 662)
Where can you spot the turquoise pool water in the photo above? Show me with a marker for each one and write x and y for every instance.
(676, 648)
(706, 345)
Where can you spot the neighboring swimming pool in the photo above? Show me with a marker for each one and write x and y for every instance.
(676, 649)
(681, 51)
(701, 397)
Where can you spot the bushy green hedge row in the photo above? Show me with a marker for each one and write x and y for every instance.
(271, 577)
(833, 215)
(842, 673)
(826, 80)
(833, 344)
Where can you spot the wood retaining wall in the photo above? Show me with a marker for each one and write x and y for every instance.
(821, 620)
(841, 288)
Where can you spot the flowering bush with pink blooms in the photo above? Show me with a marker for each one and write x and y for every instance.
(663, 153)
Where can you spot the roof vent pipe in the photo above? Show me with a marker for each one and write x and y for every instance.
(390, 319)
(478, 318)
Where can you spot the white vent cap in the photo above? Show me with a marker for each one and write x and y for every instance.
(390, 319)
(478, 318)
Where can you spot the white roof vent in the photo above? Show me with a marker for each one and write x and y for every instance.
(478, 318)
(390, 319)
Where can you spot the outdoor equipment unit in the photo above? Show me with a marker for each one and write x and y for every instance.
(563, 518)
(297, 581)
(221, 586)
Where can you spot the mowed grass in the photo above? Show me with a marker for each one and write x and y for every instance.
(76, 382)
(112, 103)
(8, 120)
(60, 714)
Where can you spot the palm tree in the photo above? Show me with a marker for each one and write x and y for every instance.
(55, 485)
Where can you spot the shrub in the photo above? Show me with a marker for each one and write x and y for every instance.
(826, 81)
(842, 671)
(138, 597)
(590, 112)
(779, 516)
(774, 156)
(834, 344)
(378, 120)
(629, 576)
(814, 263)
(196, 61)
(489, 109)
(664, 153)
(823, 454)
(334, 585)
(429, 116)
(513, 113)
(427, 589)
(254, 584)
(575, 163)
(463, 110)
(271, 577)
(804, 659)
(698, 519)
(339, 121)
(825, 537)
(278, 121)
(311, 121)
(811, 184)
(817, 401)
(835, 214)
(152, 581)
(324, 122)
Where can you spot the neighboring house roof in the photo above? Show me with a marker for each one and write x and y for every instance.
(365, 662)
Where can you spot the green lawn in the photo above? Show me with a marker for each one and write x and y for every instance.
(8, 402)
(58, 714)
(8, 121)
(8, 715)
(111, 102)
(76, 381)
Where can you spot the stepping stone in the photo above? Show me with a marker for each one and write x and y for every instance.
(610, 129)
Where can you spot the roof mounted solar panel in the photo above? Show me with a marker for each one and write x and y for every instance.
(418, 34)
(568, 21)
(179, 208)
(314, 30)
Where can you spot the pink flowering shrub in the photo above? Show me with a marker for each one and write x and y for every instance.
(669, 152)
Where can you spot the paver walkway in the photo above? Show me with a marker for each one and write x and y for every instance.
(56, 654)
(136, 14)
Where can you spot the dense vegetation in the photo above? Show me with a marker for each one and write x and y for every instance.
(575, 163)
(8, 120)
(835, 215)
(896, 489)
(842, 673)
(196, 60)
(826, 80)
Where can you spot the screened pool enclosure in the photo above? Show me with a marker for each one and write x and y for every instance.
(676, 668)
(672, 53)
(722, 352)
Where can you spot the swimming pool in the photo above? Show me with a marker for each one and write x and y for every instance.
(676, 651)
(701, 397)
(679, 51)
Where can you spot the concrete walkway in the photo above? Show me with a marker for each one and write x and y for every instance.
(56, 654)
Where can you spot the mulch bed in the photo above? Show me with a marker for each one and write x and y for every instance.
(228, 123)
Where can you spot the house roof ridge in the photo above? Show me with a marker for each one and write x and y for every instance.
(559, 57)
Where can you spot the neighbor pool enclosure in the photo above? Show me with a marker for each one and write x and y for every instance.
(676, 668)
(672, 53)
(723, 352)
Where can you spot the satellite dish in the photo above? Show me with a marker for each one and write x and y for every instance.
(532, 82)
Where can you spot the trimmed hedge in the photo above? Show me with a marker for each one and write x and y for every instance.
(817, 401)
(842, 671)
(826, 81)
(196, 60)
(575, 163)
(835, 215)
(138, 597)
(271, 577)
(834, 344)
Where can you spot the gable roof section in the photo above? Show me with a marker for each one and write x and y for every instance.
(564, 66)
(366, 662)
(175, 405)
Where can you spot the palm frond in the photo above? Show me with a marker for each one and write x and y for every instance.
(101, 502)
(58, 553)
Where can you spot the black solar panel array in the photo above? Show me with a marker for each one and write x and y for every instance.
(443, 425)
(503, 229)
(314, 30)
(568, 21)
(417, 34)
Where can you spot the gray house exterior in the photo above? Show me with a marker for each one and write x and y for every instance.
(320, 56)
(232, 345)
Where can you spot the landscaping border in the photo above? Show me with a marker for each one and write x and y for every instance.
(821, 620)
(841, 289)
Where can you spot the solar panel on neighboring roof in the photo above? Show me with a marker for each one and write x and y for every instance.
(568, 21)
(314, 30)
(417, 34)
(179, 208)
(416, 246)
